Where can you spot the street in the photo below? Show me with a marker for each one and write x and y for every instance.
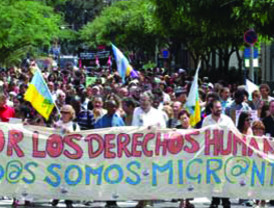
(198, 202)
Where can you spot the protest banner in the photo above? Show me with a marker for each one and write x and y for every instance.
(133, 163)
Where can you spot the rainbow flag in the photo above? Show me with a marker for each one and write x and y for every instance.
(193, 104)
(123, 66)
(39, 96)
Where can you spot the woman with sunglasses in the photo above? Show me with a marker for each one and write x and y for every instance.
(244, 126)
(244, 123)
(66, 125)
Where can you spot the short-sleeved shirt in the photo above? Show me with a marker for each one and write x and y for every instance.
(223, 121)
(150, 118)
(109, 121)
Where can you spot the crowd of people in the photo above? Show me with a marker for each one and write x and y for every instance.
(154, 98)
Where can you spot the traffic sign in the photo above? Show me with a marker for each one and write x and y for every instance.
(250, 37)
(247, 53)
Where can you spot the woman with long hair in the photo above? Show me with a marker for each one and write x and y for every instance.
(244, 123)
(258, 129)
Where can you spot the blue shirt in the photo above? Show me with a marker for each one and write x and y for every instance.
(109, 121)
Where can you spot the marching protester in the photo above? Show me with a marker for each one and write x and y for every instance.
(146, 102)
(66, 125)
(225, 97)
(238, 104)
(269, 120)
(128, 105)
(148, 116)
(175, 120)
(244, 126)
(244, 123)
(110, 119)
(184, 118)
(258, 129)
(216, 117)
(265, 91)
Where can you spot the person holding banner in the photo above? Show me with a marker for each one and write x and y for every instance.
(244, 126)
(146, 115)
(258, 129)
(184, 118)
(110, 119)
(174, 121)
(216, 117)
(66, 125)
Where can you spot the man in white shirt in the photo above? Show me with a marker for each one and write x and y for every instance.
(146, 115)
(216, 117)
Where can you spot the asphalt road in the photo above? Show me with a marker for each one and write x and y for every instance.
(198, 202)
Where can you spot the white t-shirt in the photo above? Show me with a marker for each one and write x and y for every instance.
(68, 126)
(223, 121)
(151, 118)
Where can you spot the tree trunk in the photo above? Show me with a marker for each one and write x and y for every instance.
(213, 59)
(240, 60)
(220, 59)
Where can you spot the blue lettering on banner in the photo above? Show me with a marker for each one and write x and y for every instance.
(207, 171)
(67, 175)
(272, 174)
(256, 172)
(2, 172)
(213, 171)
(129, 168)
(51, 170)
(118, 169)
(168, 166)
(27, 168)
(92, 171)
(181, 171)
(191, 177)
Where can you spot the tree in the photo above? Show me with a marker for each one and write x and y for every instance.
(128, 24)
(213, 26)
(25, 25)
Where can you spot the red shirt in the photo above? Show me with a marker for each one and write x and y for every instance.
(6, 112)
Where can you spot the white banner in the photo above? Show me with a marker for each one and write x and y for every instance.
(130, 163)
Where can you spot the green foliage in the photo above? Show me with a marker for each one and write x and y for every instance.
(25, 24)
(210, 25)
(149, 65)
(128, 24)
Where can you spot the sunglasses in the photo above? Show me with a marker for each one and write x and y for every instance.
(258, 129)
(63, 112)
